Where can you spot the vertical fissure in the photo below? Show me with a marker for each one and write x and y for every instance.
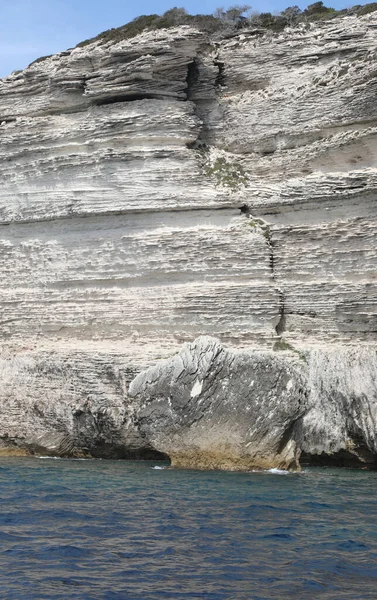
(220, 78)
(192, 78)
(265, 229)
(280, 327)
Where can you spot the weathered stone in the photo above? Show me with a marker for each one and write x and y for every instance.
(342, 405)
(123, 169)
(208, 407)
(68, 404)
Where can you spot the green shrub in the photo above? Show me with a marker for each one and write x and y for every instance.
(318, 11)
(268, 21)
(40, 59)
(171, 18)
(366, 9)
(316, 8)
(233, 13)
(227, 173)
(282, 345)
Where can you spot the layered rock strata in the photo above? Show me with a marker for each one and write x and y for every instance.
(173, 186)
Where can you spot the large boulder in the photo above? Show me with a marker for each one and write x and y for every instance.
(209, 407)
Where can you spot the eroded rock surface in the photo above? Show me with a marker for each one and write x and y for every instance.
(208, 407)
(173, 186)
(341, 420)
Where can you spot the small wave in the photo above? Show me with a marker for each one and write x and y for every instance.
(159, 468)
(64, 458)
(277, 471)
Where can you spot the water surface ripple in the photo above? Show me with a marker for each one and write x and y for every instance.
(117, 530)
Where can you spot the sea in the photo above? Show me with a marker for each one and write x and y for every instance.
(124, 530)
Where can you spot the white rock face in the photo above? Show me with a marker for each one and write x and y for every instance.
(123, 168)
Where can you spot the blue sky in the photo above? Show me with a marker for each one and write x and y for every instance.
(33, 28)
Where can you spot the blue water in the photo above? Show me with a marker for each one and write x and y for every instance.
(119, 530)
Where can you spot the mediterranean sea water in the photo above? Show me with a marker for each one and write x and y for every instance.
(119, 530)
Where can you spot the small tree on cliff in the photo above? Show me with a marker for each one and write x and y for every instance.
(291, 15)
(233, 13)
(317, 9)
(175, 15)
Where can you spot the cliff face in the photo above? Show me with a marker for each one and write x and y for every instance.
(173, 186)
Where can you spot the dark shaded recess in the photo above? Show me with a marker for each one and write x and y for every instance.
(7, 120)
(287, 436)
(245, 210)
(197, 144)
(112, 451)
(364, 459)
(272, 261)
(127, 98)
(192, 78)
(220, 78)
(280, 327)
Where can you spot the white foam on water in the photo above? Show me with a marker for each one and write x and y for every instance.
(64, 458)
(159, 468)
(277, 471)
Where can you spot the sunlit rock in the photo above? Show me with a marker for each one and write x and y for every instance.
(173, 186)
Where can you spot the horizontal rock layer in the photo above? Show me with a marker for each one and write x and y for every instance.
(123, 170)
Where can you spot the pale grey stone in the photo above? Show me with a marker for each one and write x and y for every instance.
(123, 169)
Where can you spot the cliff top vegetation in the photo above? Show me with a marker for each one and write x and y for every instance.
(225, 21)
(235, 17)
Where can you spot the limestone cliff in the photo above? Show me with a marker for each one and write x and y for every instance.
(178, 185)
